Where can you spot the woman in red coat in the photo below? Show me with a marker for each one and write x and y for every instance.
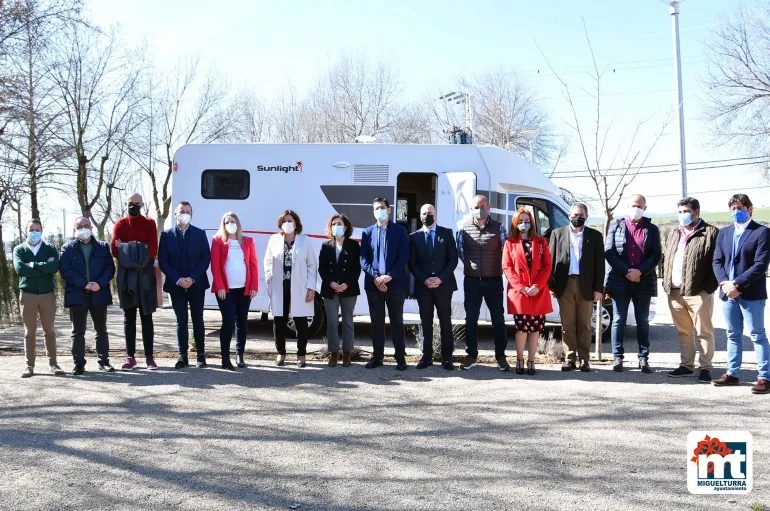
(236, 281)
(527, 266)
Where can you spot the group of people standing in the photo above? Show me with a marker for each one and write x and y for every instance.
(698, 260)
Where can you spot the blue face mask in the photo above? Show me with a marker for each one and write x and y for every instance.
(34, 237)
(740, 215)
(338, 230)
(381, 215)
(685, 219)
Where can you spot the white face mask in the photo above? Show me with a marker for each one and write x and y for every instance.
(231, 228)
(635, 213)
(288, 227)
(83, 234)
(184, 218)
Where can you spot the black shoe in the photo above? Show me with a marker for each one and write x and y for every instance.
(448, 365)
(28, 372)
(585, 367)
(226, 364)
(240, 362)
(373, 363)
(181, 362)
(423, 363)
(503, 365)
(569, 365)
(644, 366)
(201, 363)
(682, 371)
(78, 370)
(401, 365)
(704, 376)
(618, 366)
(106, 367)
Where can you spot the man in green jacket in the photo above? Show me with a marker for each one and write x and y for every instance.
(37, 262)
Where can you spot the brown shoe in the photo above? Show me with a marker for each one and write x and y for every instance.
(762, 387)
(725, 381)
(345, 359)
(333, 359)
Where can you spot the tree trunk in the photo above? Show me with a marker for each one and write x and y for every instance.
(32, 133)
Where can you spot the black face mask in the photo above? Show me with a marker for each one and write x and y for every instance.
(134, 209)
(578, 221)
(428, 220)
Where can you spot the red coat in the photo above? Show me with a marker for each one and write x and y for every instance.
(519, 276)
(219, 250)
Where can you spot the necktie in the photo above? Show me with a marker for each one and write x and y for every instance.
(381, 251)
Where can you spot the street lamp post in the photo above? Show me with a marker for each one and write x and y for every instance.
(458, 98)
(530, 136)
(674, 8)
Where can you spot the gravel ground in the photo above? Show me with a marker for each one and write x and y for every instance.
(350, 438)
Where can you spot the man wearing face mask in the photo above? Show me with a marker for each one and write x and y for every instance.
(632, 249)
(740, 264)
(384, 257)
(37, 262)
(577, 281)
(184, 256)
(689, 282)
(480, 247)
(432, 262)
(87, 269)
(141, 229)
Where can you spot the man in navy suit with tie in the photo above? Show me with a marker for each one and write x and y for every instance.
(433, 261)
(384, 257)
(184, 256)
(740, 263)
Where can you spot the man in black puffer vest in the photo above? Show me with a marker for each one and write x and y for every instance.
(480, 247)
(689, 282)
(632, 248)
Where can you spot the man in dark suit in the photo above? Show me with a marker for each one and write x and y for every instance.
(184, 256)
(741, 259)
(384, 257)
(433, 261)
(577, 282)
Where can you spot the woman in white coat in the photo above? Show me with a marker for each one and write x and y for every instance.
(290, 274)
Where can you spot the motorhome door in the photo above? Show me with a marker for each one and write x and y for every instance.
(455, 192)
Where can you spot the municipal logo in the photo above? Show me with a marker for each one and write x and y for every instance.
(719, 462)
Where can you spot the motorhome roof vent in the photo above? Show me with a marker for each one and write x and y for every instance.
(370, 174)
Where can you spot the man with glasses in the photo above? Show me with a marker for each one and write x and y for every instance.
(577, 282)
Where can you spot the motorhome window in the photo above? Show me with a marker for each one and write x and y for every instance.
(225, 184)
(499, 218)
(543, 222)
(497, 201)
(560, 218)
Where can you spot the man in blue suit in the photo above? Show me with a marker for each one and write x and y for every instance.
(87, 267)
(384, 257)
(184, 256)
(740, 263)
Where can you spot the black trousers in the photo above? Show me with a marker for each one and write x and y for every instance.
(280, 328)
(394, 299)
(129, 329)
(79, 319)
(440, 299)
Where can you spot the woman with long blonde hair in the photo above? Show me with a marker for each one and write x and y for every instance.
(236, 281)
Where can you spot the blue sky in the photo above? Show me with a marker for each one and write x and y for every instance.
(262, 44)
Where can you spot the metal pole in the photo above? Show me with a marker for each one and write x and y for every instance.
(599, 329)
(469, 115)
(64, 223)
(679, 97)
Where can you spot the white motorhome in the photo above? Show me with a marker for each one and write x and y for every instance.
(259, 181)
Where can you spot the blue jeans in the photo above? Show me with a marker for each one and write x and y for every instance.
(179, 301)
(235, 313)
(492, 292)
(620, 303)
(753, 312)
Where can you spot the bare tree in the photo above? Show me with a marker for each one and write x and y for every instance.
(177, 111)
(411, 125)
(356, 97)
(98, 93)
(739, 81)
(600, 160)
(252, 120)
